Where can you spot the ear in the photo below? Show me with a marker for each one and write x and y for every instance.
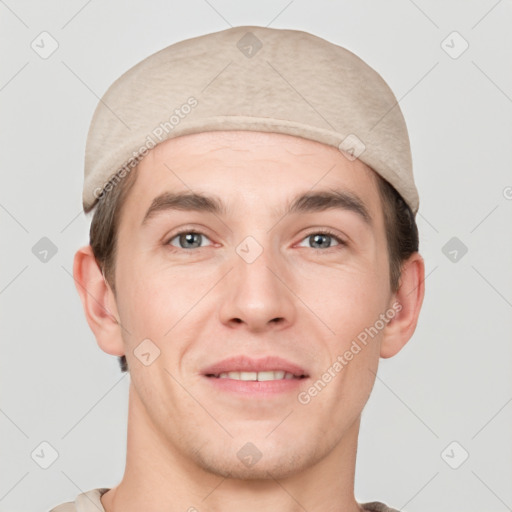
(98, 301)
(408, 300)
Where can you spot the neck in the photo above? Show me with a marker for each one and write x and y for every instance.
(158, 477)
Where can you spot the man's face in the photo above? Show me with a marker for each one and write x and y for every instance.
(255, 282)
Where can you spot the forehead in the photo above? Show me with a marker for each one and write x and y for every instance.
(249, 169)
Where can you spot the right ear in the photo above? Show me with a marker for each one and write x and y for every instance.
(98, 301)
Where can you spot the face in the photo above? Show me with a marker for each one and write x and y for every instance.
(281, 287)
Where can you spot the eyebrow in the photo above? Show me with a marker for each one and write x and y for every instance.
(303, 203)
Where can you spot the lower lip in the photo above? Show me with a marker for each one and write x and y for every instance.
(256, 388)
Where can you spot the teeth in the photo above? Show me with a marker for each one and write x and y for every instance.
(270, 375)
(246, 375)
(257, 376)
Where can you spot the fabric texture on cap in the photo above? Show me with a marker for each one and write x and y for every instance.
(249, 78)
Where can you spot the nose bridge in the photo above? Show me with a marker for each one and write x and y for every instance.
(254, 261)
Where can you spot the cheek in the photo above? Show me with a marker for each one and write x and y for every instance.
(154, 298)
(347, 299)
(139, 302)
(145, 309)
(352, 309)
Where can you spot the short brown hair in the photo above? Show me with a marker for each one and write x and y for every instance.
(401, 230)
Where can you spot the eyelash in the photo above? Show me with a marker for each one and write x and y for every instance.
(327, 232)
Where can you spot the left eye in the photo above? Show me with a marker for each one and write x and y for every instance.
(323, 238)
(188, 239)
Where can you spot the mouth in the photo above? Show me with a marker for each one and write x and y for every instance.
(256, 376)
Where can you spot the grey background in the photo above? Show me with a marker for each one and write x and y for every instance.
(452, 382)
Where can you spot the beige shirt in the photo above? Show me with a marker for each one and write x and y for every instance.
(90, 502)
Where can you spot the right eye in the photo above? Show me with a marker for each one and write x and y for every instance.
(187, 239)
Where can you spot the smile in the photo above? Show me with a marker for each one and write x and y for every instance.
(257, 376)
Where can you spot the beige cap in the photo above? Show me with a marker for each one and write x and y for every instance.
(249, 78)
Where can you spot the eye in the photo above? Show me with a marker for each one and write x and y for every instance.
(322, 239)
(188, 239)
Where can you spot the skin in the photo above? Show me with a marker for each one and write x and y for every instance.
(204, 304)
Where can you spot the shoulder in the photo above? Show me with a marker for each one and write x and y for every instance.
(84, 502)
(374, 506)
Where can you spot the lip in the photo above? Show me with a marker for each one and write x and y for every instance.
(255, 389)
(244, 363)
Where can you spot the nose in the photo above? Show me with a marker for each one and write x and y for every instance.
(258, 294)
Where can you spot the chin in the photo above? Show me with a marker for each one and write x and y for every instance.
(248, 463)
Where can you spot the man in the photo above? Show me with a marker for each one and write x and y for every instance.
(253, 254)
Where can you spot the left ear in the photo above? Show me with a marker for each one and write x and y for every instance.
(408, 299)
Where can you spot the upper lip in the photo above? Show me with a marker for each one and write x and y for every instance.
(243, 363)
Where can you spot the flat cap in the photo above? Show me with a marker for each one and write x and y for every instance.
(249, 78)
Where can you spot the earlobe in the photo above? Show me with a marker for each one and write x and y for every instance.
(98, 302)
(409, 297)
